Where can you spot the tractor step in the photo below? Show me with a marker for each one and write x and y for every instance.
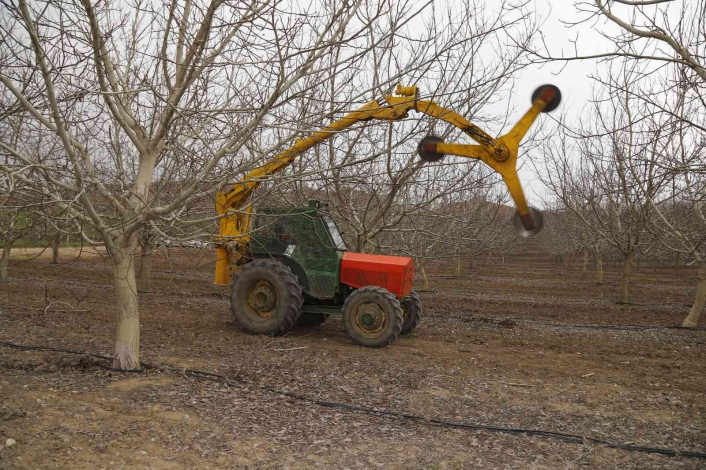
(325, 309)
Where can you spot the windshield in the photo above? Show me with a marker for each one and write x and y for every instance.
(335, 233)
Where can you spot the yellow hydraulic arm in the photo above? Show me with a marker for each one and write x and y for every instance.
(500, 154)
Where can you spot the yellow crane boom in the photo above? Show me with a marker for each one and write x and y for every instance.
(498, 153)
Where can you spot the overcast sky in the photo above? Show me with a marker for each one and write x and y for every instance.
(570, 77)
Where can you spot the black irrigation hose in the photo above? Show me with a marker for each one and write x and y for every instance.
(497, 320)
(624, 327)
(614, 327)
(199, 374)
(46, 348)
(569, 438)
(71, 351)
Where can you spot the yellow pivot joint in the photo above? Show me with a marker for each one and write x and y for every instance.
(407, 90)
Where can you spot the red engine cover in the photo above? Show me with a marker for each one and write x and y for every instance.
(394, 273)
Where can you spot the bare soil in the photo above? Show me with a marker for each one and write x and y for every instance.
(524, 344)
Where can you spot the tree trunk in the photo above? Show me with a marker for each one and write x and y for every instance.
(425, 279)
(5, 260)
(599, 268)
(360, 243)
(625, 281)
(676, 263)
(127, 338)
(585, 261)
(693, 319)
(55, 249)
(470, 262)
(458, 266)
(146, 267)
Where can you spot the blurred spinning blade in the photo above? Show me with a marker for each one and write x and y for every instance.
(529, 227)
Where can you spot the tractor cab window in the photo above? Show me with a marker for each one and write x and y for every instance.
(280, 235)
(335, 233)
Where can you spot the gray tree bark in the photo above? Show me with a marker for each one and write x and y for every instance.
(692, 320)
(127, 338)
(55, 249)
(5, 260)
(599, 268)
(625, 281)
(146, 266)
(425, 279)
(676, 263)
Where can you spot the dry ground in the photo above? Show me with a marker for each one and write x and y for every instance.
(524, 344)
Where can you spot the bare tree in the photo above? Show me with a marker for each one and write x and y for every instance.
(665, 40)
(591, 171)
(660, 31)
(677, 154)
(139, 93)
(16, 222)
(19, 210)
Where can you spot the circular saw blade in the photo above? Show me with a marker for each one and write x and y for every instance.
(530, 226)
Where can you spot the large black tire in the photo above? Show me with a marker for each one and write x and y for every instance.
(372, 317)
(311, 319)
(412, 313)
(265, 298)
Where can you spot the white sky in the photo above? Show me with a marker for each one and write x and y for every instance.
(573, 78)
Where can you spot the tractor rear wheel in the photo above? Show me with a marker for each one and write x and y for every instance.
(372, 317)
(311, 319)
(265, 298)
(412, 313)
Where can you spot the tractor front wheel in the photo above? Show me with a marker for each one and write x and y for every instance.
(372, 317)
(412, 313)
(265, 298)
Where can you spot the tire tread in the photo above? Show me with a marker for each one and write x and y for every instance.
(294, 292)
(387, 297)
(411, 324)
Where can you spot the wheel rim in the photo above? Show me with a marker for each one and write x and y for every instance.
(261, 299)
(369, 319)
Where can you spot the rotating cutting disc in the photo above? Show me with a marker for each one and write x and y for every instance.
(550, 94)
(529, 225)
(427, 148)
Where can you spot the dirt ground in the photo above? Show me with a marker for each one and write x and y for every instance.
(524, 344)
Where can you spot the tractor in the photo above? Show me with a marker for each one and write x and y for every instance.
(290, 266)
(301, 272)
